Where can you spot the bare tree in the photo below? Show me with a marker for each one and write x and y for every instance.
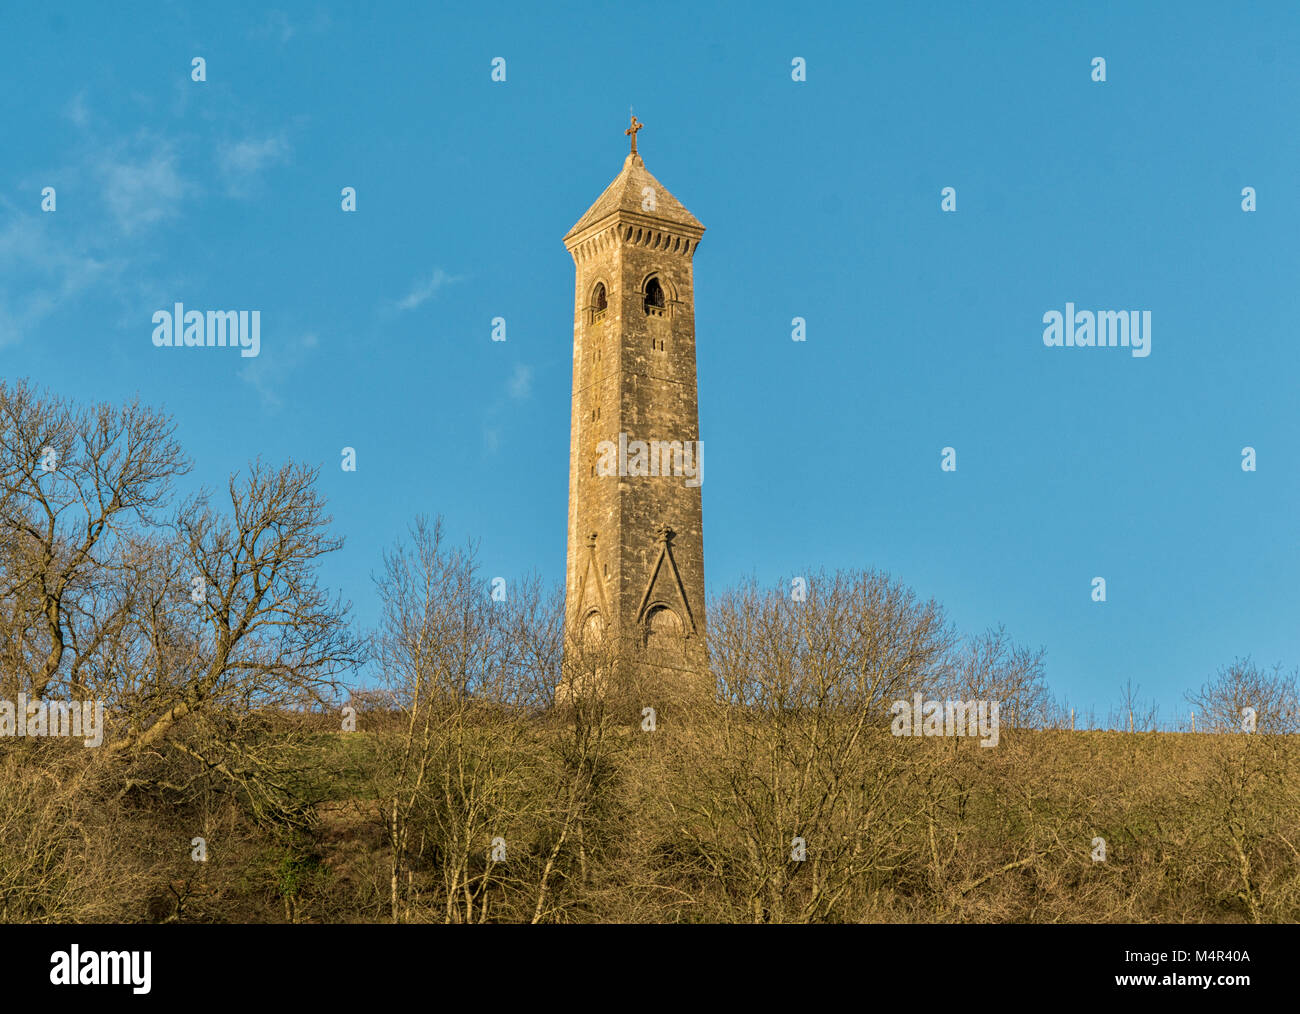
(1272, 694)
(795, 800)
(73, 480)
(991, 667)
(232, 625)
(466, 673)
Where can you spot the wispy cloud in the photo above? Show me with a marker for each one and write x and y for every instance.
(76, 110)
(142, 190)
(423, 291)
(241, 162)
(518, 386)
(115, 192)
(250, 156)
(99, 242)
(38, 272)
(520, 383)
(276, 365)
(275, 24)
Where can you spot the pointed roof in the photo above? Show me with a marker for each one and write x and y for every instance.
(625, 195)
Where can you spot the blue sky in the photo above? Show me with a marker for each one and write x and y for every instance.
(822, 200)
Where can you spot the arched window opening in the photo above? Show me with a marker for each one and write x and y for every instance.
(663, 632)
(655, 303)
(599, 303)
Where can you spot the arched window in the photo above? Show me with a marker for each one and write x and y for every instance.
(593, 630)
(663, 631)
(599, 303)
(654, 298)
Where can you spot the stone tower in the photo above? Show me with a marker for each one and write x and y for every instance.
(635, 574)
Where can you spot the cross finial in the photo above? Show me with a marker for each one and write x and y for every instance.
(631, 131)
